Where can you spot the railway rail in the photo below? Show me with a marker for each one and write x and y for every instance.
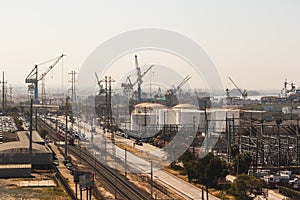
(111, 179)
(117, 183)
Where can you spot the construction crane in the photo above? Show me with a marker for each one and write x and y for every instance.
(101, 90)
(33, 77)
(244, 93)
(129, 85)
(171, 99)
(178, 87)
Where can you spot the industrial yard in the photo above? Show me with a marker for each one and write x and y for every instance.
(131, 100)
(138, 137)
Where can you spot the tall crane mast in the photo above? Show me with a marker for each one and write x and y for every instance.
(244, 93)
(34, 79)
(139, 79)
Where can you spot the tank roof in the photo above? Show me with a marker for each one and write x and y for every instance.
(185, 106)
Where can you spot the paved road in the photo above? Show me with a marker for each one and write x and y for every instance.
(140, 165)
(272, 195)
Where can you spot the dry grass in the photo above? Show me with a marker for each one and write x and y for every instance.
(129, 148)
(9, 189)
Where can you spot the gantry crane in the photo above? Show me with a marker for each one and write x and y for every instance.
(244, 93)
(171, 99)
(33, 77)
(129, 85)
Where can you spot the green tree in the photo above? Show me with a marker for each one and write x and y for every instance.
(43, 133)
(244, 186)
(240, 161)
(191, 170)
(234, 151)
(215, 169)
(206, 170)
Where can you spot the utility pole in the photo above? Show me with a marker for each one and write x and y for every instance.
(73, 88)
(30, 132)
(66, 131)
(151, 175)
(194, 132)
(10, 93)
(125, 162)
(279, 156)
(227, 137)
(206, 128)
(73, 94)
(3, 94)
(297, 141)
(109, 120)
(36, 120)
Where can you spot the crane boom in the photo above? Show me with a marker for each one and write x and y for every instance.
(183, 82)
(139, 79)
(244, 93)
(99, 83)
(33, 75)
(51, 66)
(235, 85)
(171, 98)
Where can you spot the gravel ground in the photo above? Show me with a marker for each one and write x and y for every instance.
(9, 189)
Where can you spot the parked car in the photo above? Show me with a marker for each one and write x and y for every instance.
(69, 166)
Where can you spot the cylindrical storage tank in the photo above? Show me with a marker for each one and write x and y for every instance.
(145, 114)
(234, 114)
(218, 116)
(167, 117)
(211, 117)
(220, 120)
(189, 117)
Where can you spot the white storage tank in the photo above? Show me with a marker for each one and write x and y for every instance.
(145, 114)
(189, 117)
(218, 116)
(167, 117)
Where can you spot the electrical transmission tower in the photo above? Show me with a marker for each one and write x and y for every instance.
(73, 86)
(3, 82)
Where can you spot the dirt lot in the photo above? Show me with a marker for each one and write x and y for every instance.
(10, 189)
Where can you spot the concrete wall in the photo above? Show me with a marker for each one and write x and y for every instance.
(24, 158)
(15, 172)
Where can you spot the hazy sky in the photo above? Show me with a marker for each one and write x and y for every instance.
(256, 42)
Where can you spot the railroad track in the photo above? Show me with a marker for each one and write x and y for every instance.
(112, 180)
(121, 187)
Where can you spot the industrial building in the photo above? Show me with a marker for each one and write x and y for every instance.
(15, 156)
